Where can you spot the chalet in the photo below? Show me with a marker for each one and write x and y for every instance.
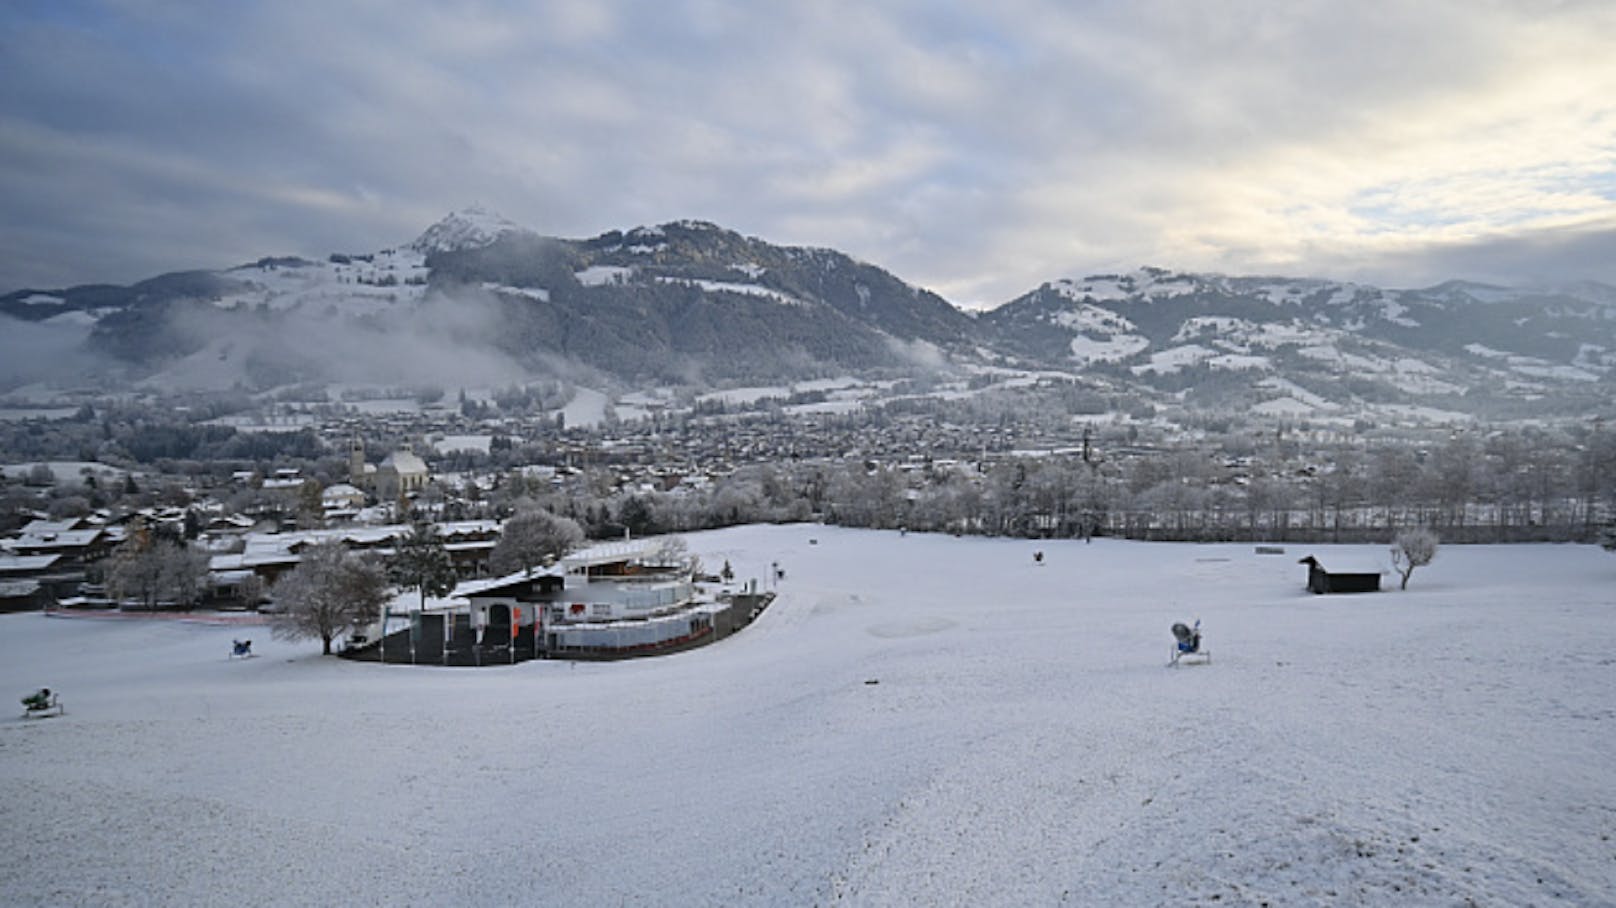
(269, 555)
(342, 496)
(229, 525)
(1320, 580)
(23, 596)
(77, 543)
(54, 578)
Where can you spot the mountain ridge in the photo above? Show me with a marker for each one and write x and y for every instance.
(691, 301)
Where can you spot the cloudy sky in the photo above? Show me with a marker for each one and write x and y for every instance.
(978, 149)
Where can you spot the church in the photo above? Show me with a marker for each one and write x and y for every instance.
(400, 473)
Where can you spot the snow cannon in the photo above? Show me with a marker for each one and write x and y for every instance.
(1188, 642)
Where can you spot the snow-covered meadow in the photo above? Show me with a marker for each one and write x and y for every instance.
(916, 720)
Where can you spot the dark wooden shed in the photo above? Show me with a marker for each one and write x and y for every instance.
(1320, 580)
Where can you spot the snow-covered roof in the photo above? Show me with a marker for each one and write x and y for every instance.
(1356, 563)
(68, 539)
(43, 527)
(609, 553)
(485, 586)
(405, 463)
(18, 564)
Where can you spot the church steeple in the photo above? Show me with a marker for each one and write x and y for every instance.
(356, 462)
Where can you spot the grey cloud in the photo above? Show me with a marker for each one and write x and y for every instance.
(1541, 258)
(445, 342)
(41, 351)
(977, 151)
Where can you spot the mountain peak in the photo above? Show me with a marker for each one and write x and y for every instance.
(468, 228)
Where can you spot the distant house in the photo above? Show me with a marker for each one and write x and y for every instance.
(76, 543)
(229, 525)
(47, 572)
(1321, 581)
(342, 497)
(269, 555)
(23, 596)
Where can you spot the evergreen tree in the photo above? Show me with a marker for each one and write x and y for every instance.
(636, 514)
(422, 563)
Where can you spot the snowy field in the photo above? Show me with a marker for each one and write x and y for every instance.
(917, 720)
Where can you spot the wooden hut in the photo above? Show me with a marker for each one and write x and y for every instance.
(1320, 580)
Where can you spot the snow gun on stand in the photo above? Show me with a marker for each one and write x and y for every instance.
(1188, 643)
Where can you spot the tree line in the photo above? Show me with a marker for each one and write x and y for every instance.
(1500, 489)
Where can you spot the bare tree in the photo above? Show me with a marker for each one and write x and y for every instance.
(154, 571)
(530, 537)
(251, 591)
(329, 591)
(1411, 549)
(674, 552)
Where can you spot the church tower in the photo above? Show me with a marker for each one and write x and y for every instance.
(356, 463)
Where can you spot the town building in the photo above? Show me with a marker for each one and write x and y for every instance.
(609, 601)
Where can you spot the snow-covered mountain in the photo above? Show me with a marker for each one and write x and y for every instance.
(477, 299)
(469, 228)
(1285, 345)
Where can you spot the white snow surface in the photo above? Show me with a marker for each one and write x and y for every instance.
(76, 317)
(601, 275)
(587, 408)
(917, 720)
(534, 293)
(447, 443)
(1283, 406)
(468, 228)
(1175, 358)
(1095, 319)
(732, 287)
(1537, 368)
(1148, 283)
(1294, 392)
(1085, 349)
(746, 396)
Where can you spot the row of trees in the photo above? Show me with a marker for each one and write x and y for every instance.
(1181, 495)
(155, 570)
